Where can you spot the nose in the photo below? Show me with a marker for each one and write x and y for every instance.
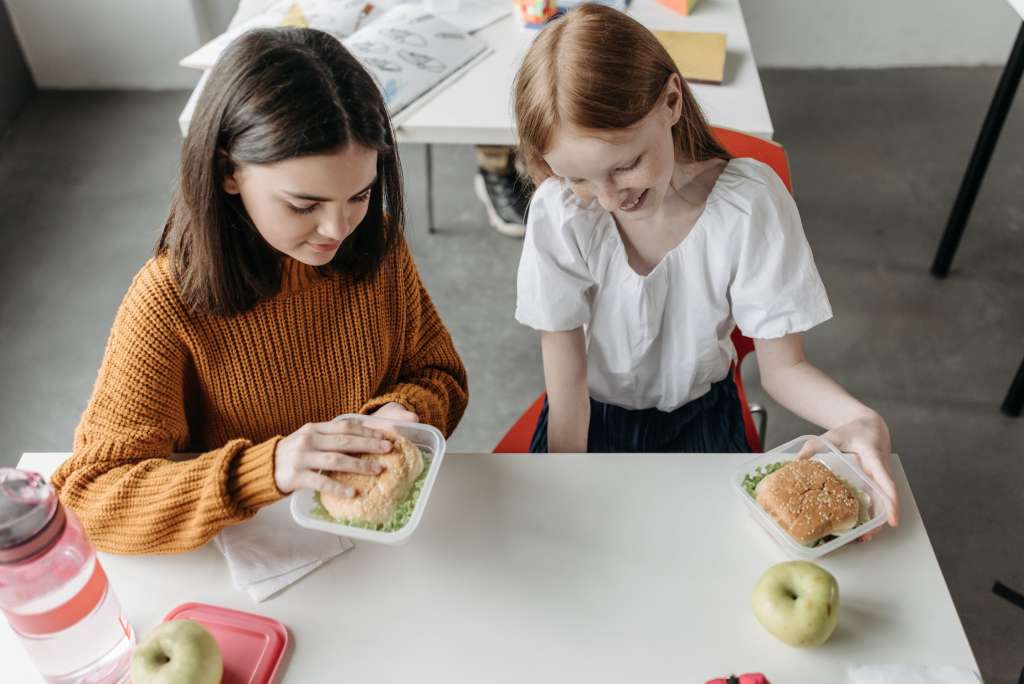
(608, 195)
(335, 226)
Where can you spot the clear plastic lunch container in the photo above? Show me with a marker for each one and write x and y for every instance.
(429, 440)
(843, 466)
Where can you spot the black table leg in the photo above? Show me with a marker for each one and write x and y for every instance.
(1001, 102)
(1014, 401)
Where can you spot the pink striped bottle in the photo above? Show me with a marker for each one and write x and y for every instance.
(53, 590)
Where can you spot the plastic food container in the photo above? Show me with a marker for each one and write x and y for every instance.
(252, 646)
(843, 466)
(429, 440)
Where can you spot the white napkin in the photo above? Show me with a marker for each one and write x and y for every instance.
(911, 674)
(270, 552)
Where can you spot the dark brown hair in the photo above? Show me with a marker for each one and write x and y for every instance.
(275, 94)
(597, 69)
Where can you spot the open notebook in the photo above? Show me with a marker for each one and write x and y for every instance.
(408, 49)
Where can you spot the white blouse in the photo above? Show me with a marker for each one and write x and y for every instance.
(662, 339)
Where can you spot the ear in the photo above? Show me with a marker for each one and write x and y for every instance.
(229, 172)
(231, 185)
(672, 98)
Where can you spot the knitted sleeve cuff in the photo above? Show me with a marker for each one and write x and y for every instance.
(251, 483)
(419, 400)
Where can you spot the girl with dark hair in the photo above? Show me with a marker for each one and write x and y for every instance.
(281, 294)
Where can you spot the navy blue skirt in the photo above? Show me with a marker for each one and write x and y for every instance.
(712, 423)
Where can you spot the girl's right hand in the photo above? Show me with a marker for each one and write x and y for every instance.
(326, 446)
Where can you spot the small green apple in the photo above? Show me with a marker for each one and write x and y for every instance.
(177, 652)
(797, 602)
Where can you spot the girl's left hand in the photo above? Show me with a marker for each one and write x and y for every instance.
(395, 411)
(867, 437)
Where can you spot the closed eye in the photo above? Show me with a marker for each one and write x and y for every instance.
(361, 197)
(303, 210)
(631, 166)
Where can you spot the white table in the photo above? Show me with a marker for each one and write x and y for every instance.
(590, 568)
(475, 107)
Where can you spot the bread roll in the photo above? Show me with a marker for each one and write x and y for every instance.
(808, 501)
(377, 496)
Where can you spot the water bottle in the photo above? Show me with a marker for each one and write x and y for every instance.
(53, 590)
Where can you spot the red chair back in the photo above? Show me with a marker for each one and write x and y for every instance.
(517, 439)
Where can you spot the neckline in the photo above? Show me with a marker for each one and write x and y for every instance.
(297, 276)
(697, 224)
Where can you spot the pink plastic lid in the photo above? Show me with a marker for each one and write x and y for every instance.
(252, 646)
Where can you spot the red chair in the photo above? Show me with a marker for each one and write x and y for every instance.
(517, 439)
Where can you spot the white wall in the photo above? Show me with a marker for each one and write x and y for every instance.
(137, 43)
(879, 33)
(106, 43)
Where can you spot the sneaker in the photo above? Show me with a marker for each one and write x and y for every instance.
(506, 197)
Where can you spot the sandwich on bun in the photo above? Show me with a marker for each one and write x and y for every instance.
(377, 496)
(809, 502)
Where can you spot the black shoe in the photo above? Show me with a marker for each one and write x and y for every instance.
(506, 197)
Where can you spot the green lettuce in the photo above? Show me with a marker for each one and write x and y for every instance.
(751, 481)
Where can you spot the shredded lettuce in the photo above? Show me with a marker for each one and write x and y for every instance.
(398, 519)
(751, 481)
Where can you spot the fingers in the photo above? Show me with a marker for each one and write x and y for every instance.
(873, 464)
(891, 504)
(348, 427)
(403, 415)
(326, 460)
(321, 483)
(349, 444)
(381, 422)
(810, 448)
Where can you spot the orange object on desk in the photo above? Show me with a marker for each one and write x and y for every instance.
(681, 6)
(536, 13)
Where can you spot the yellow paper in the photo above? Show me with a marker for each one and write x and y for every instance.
(699, 56)
(295, 17)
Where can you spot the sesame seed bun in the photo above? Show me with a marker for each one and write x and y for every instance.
(377, 496)
(808, 501)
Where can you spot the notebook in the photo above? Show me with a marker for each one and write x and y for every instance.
(699, 56)
(408, 49)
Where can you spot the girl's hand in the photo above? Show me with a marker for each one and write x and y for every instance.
(867, 438)
(326, 446)
(395, 411)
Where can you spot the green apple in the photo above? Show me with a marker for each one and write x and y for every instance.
(177, 652)
(797, 602)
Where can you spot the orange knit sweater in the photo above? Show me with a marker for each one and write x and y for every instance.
(230, 388)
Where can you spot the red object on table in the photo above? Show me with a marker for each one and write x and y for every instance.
(252, 646)
(749, 678)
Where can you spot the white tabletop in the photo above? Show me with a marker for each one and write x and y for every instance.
(477, 107)
(474, 107)
(1019, 6)
(607, 568)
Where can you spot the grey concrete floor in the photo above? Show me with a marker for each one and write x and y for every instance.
(877, 157)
